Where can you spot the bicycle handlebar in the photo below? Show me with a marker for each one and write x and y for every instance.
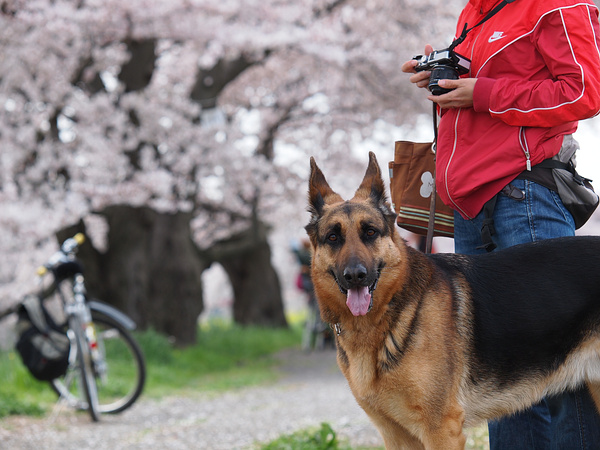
(67, 249)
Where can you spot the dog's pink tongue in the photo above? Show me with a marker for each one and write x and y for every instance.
(359, 300)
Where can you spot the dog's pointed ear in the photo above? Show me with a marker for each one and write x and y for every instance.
(319, 192)
(372, 184)
(372, 188)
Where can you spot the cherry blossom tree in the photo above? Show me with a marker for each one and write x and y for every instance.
(193, 112)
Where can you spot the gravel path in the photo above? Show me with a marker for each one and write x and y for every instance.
(311, 390)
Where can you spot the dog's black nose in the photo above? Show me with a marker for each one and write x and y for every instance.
(355, 274)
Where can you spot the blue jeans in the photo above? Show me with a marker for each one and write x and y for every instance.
(563, 422)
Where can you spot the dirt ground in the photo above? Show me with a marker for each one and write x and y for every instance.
(311, 390)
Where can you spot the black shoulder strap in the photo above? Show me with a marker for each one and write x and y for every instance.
(488, 16)
(555, 164)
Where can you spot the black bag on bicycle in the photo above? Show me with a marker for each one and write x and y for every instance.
(42, 345)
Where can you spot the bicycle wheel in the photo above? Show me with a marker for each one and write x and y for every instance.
(86, 380)
(120, 375)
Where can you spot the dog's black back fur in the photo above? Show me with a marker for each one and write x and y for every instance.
(539, 330)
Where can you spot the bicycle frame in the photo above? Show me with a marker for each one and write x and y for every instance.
(64, 266)
(84, 345)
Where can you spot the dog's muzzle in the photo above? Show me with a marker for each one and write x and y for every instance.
(358, 286)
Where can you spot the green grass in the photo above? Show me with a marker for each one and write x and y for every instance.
(225, 357)
(20, 393)
(323, 438)
(477, 438)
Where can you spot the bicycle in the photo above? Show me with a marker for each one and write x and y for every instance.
(106, 370)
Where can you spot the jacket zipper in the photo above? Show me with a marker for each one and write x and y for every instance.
(447, 168)
(525, 148)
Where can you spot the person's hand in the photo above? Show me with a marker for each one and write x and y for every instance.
(460, 97)
(421, 79)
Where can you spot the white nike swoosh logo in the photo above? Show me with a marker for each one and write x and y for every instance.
(495, 37)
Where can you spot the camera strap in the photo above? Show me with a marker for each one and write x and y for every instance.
(488, 229)
(488, 16)
(431, 223)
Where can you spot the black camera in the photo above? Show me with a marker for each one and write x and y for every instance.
(444, 65)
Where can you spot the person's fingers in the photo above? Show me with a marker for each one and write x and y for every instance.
(460, 95)
(409, 66)
(421, 79)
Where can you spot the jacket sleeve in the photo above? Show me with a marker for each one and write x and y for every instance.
(568, 42)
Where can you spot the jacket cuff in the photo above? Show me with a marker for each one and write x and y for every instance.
(482, 94)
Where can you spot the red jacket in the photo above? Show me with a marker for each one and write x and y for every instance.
(537, 64)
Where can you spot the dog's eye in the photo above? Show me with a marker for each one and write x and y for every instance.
(332, 237)
(371, 232)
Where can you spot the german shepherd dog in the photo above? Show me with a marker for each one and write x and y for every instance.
(432, 343)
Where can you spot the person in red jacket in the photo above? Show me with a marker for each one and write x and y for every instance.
(534, 73)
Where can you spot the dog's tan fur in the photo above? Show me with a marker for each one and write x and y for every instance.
(408, 360)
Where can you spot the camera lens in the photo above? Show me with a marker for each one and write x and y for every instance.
(438, 73)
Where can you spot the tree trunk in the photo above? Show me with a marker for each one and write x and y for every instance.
(246, 258)
(137, 73)
(152, 270)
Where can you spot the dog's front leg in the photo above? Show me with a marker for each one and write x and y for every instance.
(449, 434)
(395, 436)
(445, 441)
